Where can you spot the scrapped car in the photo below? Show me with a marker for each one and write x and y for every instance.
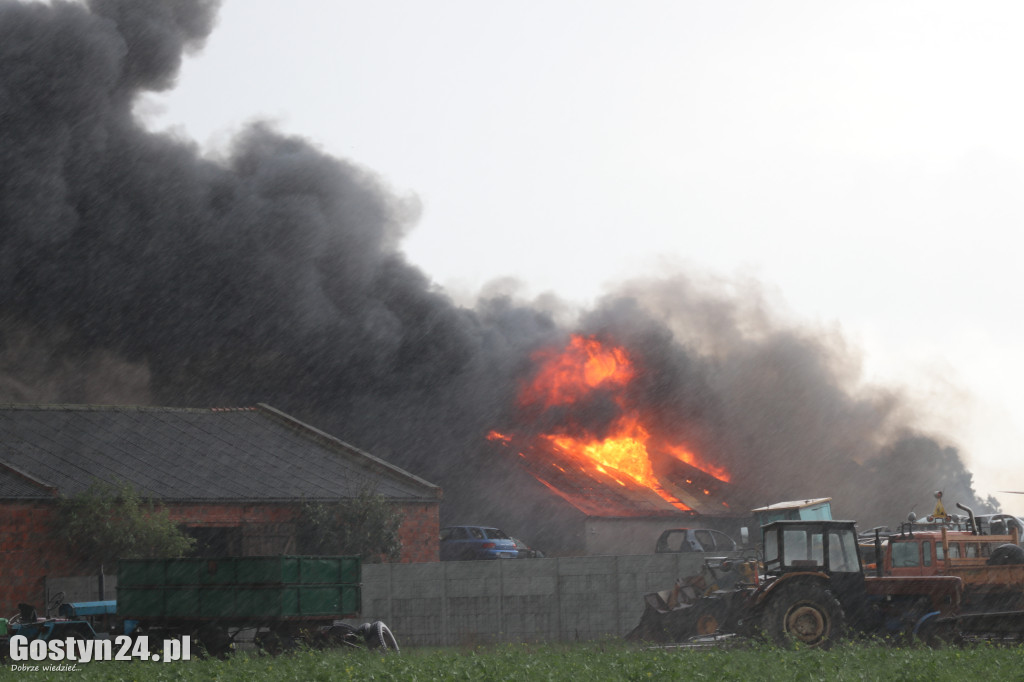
(468, 543)
(694, 540)
(1001, 524)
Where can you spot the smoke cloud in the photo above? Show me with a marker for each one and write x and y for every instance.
(136, 270)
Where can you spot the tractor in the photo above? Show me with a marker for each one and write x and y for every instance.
(810, 588)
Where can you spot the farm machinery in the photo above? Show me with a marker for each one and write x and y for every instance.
(208, 604)
(810, 587)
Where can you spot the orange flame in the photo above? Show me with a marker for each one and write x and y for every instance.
(625, 450)
(494, 435)
(684, 455)
(568, 376)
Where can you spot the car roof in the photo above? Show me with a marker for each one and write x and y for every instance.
(471, 526)
(695, 528)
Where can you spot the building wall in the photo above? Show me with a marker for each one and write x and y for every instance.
(30, 554)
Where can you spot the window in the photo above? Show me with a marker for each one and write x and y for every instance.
(971, 549)
(819, 512)
(771, 548)
(926, 552)
(905, 555)
(795, 542)
(842, 553)
(673, 541)
(476, 533)
(495, 534)
(456, 533)
(954, 551)
(723, 542)
(803, 550)
(707, 542)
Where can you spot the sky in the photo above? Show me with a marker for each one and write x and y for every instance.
(861, 161)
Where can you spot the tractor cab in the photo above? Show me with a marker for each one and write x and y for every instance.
(822, 551)
(828, 547)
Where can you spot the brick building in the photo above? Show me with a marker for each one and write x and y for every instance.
(234, 478)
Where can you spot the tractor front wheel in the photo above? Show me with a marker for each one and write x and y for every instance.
(709, 616)
(803, 613)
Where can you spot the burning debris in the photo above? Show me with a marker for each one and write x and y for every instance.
(136, 269)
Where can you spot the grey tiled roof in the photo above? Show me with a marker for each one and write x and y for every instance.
(16, 484)
(257, 454)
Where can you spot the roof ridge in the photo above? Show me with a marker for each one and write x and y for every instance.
(30, 478)
(337, 443)
(82, 407)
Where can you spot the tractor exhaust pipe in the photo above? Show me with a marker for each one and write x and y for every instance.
(879, 559)
(970, 515)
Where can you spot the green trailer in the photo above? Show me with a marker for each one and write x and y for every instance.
(280, 599)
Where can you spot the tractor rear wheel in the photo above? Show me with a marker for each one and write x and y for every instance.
(803, 613)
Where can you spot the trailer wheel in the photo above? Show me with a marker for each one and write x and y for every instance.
(378, 636)
(268, 642)
(214, 641)
(803, 613)
(936, 632)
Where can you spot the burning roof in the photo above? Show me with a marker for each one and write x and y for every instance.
(615, 466)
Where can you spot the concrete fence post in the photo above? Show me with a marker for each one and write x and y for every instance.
(391, 591)
(558, 601)
(446, 626)
(502, 625)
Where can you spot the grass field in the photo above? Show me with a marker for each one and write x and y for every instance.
(592, 662)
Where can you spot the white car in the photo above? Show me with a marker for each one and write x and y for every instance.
(694, 540)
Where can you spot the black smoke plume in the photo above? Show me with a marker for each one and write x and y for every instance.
(136, 270)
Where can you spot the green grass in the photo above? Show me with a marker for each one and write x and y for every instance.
(590, 662)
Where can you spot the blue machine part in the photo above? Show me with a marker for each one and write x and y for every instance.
(88, 608)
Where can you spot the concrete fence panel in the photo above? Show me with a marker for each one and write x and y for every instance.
(560, 599)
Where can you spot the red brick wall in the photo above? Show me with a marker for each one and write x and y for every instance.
(420, 533)
(28, 551)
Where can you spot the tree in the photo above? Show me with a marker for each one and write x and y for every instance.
(108, 522)
(366, 526)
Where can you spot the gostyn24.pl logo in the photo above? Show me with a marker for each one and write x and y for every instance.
(120, 648)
